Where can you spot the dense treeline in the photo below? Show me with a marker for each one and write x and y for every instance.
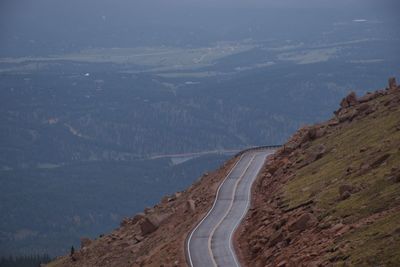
(24, 261)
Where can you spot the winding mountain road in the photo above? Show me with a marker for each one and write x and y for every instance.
(210, 243)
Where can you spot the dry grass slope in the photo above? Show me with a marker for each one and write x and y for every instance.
(331, 196)
(361, 142)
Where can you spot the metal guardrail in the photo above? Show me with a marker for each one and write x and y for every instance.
(258, 148)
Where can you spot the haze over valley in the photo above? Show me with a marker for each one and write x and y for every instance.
(112, 106)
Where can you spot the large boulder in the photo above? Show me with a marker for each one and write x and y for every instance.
(350, 100)
(190, 205)
(149, 224)
(392, 83)
(345, 187)
(313, 155)
(320, 151)
(364, 107)
(346, 115)
(345, 191)
(276, 238)
(303, 222)
(311, 134)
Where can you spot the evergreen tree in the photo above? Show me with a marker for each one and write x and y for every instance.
(72, 251)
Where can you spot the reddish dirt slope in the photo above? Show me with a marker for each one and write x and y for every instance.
(155, 237)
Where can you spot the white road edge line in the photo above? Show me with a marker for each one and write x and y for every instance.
(229, 209)
(212, 208)
(243, 215)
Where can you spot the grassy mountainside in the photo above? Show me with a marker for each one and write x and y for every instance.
(330, 196)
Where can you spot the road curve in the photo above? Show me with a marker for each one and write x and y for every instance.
(210, 243)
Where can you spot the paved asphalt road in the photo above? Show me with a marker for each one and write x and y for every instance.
(210, 243)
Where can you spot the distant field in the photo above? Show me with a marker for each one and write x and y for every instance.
(147, 56)
(203, 62)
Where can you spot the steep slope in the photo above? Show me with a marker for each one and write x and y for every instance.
(330, 196)
(156, 236)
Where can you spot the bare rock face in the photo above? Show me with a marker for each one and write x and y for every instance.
(303, 222)
(392, 83)
(349, 100)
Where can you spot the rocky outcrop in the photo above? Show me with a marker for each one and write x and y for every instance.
(350, 100)
(312, 155)
(303, 222)
(302, 213)
(303, 136)
(369, 96)
(328, 188)
(345, 191)
(191, 205)
(149, 224)
(392, 83)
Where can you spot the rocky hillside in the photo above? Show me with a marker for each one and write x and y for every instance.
(331, 195)
(328, 197)
(155, 237)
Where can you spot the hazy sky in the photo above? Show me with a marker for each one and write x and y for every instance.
(44, 24)
(44, 5)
